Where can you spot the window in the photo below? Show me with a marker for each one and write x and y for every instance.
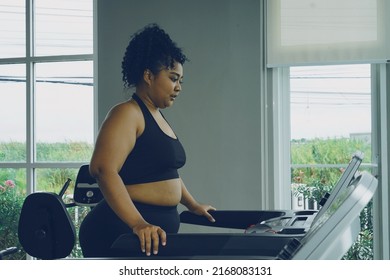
(46, 92)
(347, 43)
(330, 113)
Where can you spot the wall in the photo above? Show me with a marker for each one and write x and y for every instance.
(217, 115)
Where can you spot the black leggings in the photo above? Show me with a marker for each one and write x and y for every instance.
(101, 227)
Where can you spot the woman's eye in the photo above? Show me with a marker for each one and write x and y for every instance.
(175, 80)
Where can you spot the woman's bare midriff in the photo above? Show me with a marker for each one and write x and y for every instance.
(163, 193)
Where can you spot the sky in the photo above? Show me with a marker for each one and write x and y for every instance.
(330, 101)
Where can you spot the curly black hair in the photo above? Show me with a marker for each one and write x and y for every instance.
(150, 48)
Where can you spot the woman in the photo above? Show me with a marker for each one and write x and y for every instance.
(137, 153)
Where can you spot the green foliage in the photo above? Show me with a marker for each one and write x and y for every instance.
(314, 182)
(11, 201)
(52, 179)
(68, 151)
(328, 151)
(12, 151)
(17, 175)
(362, 249)
(314, 191)
(48, 179)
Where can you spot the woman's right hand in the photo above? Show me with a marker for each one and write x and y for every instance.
(150, 237)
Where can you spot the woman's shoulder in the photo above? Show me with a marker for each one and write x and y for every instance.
(123, 116)
(128, 109)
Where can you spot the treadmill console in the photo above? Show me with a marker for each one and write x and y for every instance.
(293, 222)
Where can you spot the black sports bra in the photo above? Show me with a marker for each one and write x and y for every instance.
(155, 156)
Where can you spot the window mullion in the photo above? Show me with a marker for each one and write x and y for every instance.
(59, 58)
(29, 97)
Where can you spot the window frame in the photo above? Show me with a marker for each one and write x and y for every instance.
(380, 86)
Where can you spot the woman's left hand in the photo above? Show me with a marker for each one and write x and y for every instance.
(203, 210)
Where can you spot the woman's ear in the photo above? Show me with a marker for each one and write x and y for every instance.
(148, 77)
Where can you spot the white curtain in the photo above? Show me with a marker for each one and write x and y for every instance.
(308, 32)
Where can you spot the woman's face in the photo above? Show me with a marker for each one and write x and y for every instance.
(165, 86)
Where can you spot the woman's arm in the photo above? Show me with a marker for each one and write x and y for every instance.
(200, 209)
(115, 141)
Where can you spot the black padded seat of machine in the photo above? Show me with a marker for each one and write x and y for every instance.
(45, 228)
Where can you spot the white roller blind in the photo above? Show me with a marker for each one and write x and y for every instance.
(307, 32)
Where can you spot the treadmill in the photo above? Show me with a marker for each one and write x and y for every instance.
(286, 234)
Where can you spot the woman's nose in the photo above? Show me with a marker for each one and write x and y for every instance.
(178, 86)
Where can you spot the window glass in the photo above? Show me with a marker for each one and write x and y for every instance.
(330, 121)
(12, 113)
(64, 111)
(330, 102)
(12, 28)
(63, 27)
(53, 179)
